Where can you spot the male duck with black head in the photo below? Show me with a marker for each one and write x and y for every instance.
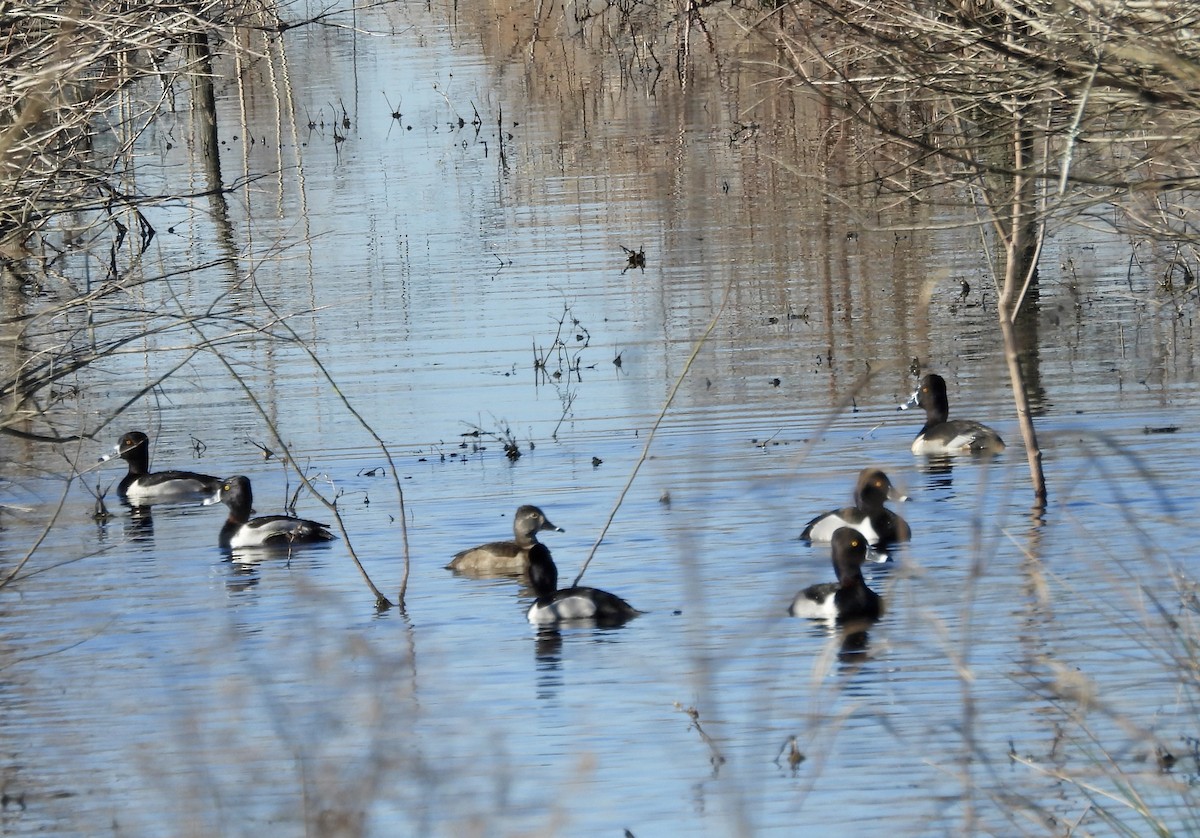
(848, 600)
(942, 435)
(576, 604)
(498, 558)
(879, 525)
(241, 531)
(141, 487)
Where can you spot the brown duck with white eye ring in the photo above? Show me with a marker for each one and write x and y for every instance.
(506, 557)
(141, 487)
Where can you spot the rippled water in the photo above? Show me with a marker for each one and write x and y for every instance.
(150, 686)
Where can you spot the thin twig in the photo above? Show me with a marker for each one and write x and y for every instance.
(658, 421)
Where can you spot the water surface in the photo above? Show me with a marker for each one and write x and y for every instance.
(151, 686)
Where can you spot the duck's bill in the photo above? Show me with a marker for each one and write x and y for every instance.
(878, 556)
(212, 500)
(116, 452)
(912, 401)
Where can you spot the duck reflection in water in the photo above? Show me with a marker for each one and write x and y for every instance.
(243, 578)
(137, 527)
(547, 652)
(855, 644)
(141, 523)
(939, 470)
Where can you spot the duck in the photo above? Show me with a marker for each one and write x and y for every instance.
(948, 436)
(879, 525)
(501, 557)
(241, 530)
(575, 604)
(849, 598)
(141, 487)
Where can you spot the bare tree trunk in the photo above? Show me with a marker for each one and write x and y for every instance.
(1021, 240)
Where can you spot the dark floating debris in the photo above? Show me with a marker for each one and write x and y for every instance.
(743, 131)
(636, 258)
(395, 109)
(790, 754)
(1163, 429)
(267, 453)
(476, 438)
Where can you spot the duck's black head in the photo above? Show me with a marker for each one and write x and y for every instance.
(134, 448)
(931, 396)
(874, 487)
(237, 495)
(849, 553)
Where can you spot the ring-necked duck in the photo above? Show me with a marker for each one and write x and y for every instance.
(241, 530)
(506, 556)
(947, 436)
(578, 603)
(878, 524)
(140, 487)
(849, 598)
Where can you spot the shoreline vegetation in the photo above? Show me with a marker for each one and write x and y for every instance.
(82, 83)
(1035, 116)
